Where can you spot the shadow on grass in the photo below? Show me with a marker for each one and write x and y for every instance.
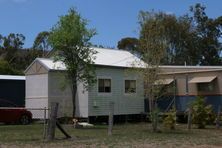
(92, 128)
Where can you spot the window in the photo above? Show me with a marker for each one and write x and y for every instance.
(130, 86)
(104, 85)
(205, 86)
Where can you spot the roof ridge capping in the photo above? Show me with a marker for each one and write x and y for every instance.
(113, 49)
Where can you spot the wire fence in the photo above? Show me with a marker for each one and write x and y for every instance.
(37, 113)
(13, 114)
(40, 114)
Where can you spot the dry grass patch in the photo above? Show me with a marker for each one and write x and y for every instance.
(124, 135)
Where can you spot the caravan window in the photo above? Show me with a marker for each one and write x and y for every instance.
(205, 87)
(130, 86)
(104, 85)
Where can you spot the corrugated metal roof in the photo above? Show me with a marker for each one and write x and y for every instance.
(193, 71)
(115, 57)
(50, 64)
(11, 77)
(163, 81)
(191, 67)
(105, 57)
(202, 79)
(121, 58)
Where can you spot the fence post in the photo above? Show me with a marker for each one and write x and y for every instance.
(52, 121)
(218, 118)
(44, 130)
(189, 119)
(111, 112)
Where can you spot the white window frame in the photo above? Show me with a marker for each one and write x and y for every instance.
(104, 93)
(124, 85)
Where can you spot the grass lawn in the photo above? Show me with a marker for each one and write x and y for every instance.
(124, 135)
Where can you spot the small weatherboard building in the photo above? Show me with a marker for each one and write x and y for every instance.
(45, 81)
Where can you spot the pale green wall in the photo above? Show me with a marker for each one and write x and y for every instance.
(124, 103)
(59, 92)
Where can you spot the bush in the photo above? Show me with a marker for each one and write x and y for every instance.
(202, 114)
(170, 120)
(7, 69)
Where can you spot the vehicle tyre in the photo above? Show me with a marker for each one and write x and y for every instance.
(24, 120)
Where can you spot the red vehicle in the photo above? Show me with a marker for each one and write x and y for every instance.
(10, 113)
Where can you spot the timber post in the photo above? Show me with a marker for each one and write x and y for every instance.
(52, 121)
(111, 112)
(189, 118)
(45, 124)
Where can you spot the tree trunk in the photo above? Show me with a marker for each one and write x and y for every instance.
(74, 90)
(155, 118)
(150, 103)
(153, 113)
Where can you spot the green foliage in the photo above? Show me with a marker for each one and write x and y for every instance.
(129, 44)
(70, 39)
(170, 120)
(6, 69)
(152, 45)
(14, 57)
(209, 32)
(1, 40)
(192, 38)
(10, 45)
(171, 32)
(152, 41)
(154, 114)
(201, 113)
(24, 57)
(41, 42)
(154, 117)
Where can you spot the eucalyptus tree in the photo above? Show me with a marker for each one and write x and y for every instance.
(10, 45)
(192, 38)
(209, 33)
(129, 44)
(41, 42)
(70, 37)
(153, 45)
